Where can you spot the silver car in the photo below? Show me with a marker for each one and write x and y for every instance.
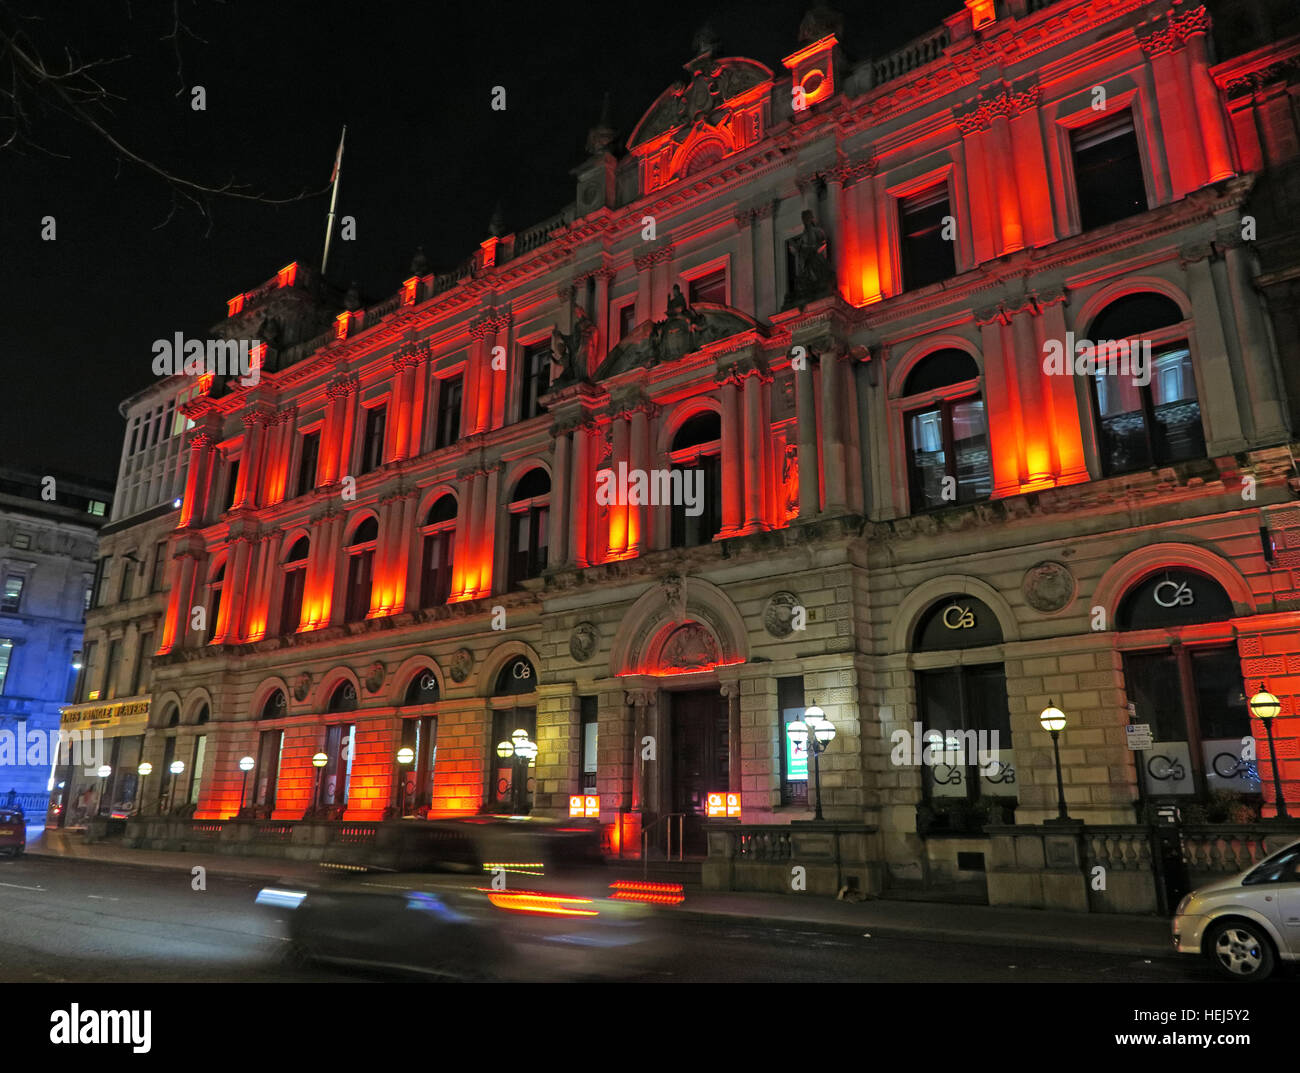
(1247, 924)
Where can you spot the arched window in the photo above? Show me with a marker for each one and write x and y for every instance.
(361, 564)
(343, 699)
(514, 770)
(423, 689)
(948, 458)
(172, 716)
(295, 581)
(215, 587)
(1191, 695)
(696, 455)
(276, 705)
(439, 531)
(1143, 385)
(204, 715)
(529, 511)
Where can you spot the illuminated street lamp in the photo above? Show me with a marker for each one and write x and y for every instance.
(104, 773)
(144, 771)
(522, 751)
(405, 756)
(1266, 707)
(245, 765)
(178, 766)
(815, 733)
(318, 762)
(1052, 720)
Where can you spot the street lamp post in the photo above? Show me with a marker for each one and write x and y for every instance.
(177, 768)
(318, 762)
(521, 751)
(245, 765)
(815, 732)
(1266, 707)
(405, 755)
(1053, 721)
(144, 771)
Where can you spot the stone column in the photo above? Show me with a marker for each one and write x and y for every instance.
(603, 277)
(230, 629)
(1040, 463)
(732, 455)
(644, 266)
(581, 494)
(1038, 227)
(1177, 112)
(1209, 108)
(765, 259)
(1263, 393)
(178, 605)
(640, 541)
(758, 442)
(1223, 433)
(1008, 208)
(558, 553)
(805, 402)
(1062, 400)
(637, 701)
(618, 534)
(742, 284)
(198, 480)
(735, 761)
(832, 387)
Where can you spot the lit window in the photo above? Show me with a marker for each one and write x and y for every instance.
(22, 540)
(12, 597)
(439, 547)
(536, 371)
(926, 250)
(361, 560)
(372, 452)
(697, 456)
(6, 649)
(96, 508)
(709, 288)
(947, 432)
(529, 521)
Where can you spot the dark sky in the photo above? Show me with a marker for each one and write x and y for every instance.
(426, 161)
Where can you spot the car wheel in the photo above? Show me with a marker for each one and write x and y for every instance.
(1240, 950)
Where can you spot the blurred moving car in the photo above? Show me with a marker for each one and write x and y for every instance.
(13, 831)
(517, 899)
(1247, 924)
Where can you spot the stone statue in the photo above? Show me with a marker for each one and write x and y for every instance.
(584, 342)
(813, 275)
(682, 330)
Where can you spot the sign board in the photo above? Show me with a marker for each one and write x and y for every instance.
(1138, 736)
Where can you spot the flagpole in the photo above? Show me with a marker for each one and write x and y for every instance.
(334, 198)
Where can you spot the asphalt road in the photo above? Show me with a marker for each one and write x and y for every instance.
(98, 923)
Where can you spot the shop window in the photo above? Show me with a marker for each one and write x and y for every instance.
(336, 778)
(437, 552)
(946, 430)
(925, 252)
(588, 713)
(1108, 171)
(1139, 424)
(270, 745)
(529, 514)
(361, 560)
(420, 735)
(450, 397)
(308, 459)
(794, 758)
(372, 446)
(514, 776)
(966, 734)
(535, 368)
(295, 584)
(196, 767)
(696, 456)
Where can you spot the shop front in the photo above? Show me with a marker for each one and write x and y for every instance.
(96, 771)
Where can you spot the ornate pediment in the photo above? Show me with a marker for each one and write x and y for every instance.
(683, 330)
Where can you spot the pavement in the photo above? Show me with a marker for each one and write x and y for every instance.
(1098, 933)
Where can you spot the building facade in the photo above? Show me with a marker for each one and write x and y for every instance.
(48, 529)
(795, 405)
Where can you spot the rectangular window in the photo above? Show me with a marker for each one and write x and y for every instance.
(196, 767)
(1108, 171)
(1153, 424)
(337, 775)
(112, 670)
(159, 578)
(794, 758)
(435, 568)
(372, 451)
(22, 541)
(83, 675)
(6, 653)
(269, 746)
(358, 597)
(528, 544)
(167, 779)
(709, 288)
(626, 320)
(926, 249)
(588, 709)
(295, 582)
(965, 708)
(232, 484)
(307, 463)
(536, 379)
(948, 454)
(127, 583)
(101, 581)
(12, 597)
(142, 663)
(450, 397)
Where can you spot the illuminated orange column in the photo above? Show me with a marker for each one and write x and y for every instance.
(250, 472)
(757, 470)
(639, 533)
(980, 175)
(197, 480)
(1031, 170)
(732, 455)
(1005, 185)
(866, 248)
(177, 620)
(1002, 403)
(397, 435)
(1177, 115)
(473, 549)
(399, 547)
(332, 434)
(1209, 108)
(581, 494)
(259, 596)
(419, 402)
(1038, 458)
(351, 404)
(620, 512)
(1062, 406)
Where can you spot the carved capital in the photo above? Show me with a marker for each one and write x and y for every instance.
(343, 386)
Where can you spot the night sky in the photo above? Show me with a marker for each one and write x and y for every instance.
(426, 161)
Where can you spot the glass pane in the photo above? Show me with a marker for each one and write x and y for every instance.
(1179, 434)
(1156, 693)
(929, 463)
(939, 694)
(970, 440)
(1220, 694)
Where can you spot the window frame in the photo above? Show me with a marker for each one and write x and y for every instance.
(945, 397)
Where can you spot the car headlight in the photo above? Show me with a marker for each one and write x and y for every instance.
(1182, 905)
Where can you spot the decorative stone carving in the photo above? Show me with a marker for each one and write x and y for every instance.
(376, 677)
(1048, 587)
(813, 275)
(674, 587)
(778, 614)
(462, 662)
(790, 480)
(302, 686)
(689, 647)
(582, 641)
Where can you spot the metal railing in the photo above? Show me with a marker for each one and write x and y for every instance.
(667, 819)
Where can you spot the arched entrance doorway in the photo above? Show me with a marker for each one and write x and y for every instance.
(514, 729)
